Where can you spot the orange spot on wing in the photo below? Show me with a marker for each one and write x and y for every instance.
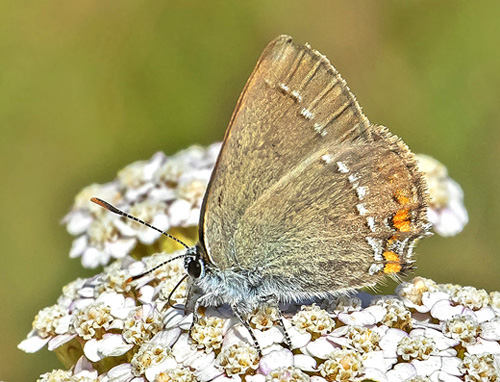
(392, 268)
(391, 256)
(401, 220)
(393, 265)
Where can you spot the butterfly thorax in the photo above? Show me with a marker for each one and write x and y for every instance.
(244, 288)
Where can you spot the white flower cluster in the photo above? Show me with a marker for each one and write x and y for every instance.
(106, 328)
(164, 191)
(425, 330)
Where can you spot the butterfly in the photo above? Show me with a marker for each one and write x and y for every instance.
(308, 198)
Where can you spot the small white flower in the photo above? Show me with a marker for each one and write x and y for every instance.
(444, 345)
(341, 365)
(151, 356)
(363, 339)
(342, 303)
(51, 321)
(397, 316)
(495, 302)
(71, 292)
(102, 242)
(142, 324)
(479, 368)
(462, 328)
(114, 280)
(314, 320)
(238, 358)
(137, 178)
(171, 270)
(416, 293)
(192, 188)
(208, 332)
(265, 317)
(471, 297)
(93, 321)
(417, 347)
(298, 338)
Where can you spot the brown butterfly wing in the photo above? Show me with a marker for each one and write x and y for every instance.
(279, 201)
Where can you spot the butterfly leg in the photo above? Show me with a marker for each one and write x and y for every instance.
(237, 312)
(272, 300)
(199, 302)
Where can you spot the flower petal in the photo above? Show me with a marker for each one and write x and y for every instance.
(297, 338)
(110, 345)
(401, 372)
(33, 344)
(121, 373)
(483, 346)
(319, 348)
(375, 375)
(428, 366)
(60, 340)
(276, 359)
(304, 362)
(378, 360)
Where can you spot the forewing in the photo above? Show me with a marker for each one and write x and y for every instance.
(294, 103)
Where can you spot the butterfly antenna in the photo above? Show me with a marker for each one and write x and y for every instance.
(115, 210)
(133, 278)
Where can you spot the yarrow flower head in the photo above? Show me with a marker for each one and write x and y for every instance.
(446, 211)
(107, 328)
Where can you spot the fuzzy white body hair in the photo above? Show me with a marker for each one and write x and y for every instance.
(245, 290)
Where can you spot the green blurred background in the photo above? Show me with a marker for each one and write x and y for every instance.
(87, 87)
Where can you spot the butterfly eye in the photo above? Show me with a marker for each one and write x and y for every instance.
(194, 267)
